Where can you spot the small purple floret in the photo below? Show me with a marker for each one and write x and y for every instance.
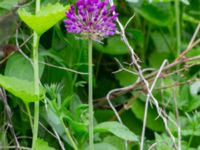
(93, 19)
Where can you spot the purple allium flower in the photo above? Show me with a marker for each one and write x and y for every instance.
(93, 20)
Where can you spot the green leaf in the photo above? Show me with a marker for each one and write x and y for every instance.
(114, 46)
(78, 127)
(156, 58)
(164, 142)
(186, 2)
(43, 145)
(125, 78)
(8, 4)
(115, 141)
(159, 41)
(104, 146)
(190, 18)
(188, 98)
(152, 123)
(22, 68)
(21, 88)
(48, 16)
(117, 129)
(155, 14)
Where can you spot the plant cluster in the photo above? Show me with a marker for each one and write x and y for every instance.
(100, 75)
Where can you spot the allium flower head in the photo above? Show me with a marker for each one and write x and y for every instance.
(92, 19)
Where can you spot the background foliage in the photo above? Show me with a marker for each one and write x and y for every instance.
(155, 35)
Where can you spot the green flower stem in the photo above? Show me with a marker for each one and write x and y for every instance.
(69, 135)
(90, 101)
(36, 87)
(36, 39)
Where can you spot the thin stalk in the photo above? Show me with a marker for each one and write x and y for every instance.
(36, 39)
(36, 87)
(69, 135)
(178, 30)
(90, 97)
(29, 115)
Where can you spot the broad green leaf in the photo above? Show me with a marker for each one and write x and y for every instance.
(8, 4)
(114, 46)
(153, 122)
(48, 16)
(156, 58)
(21, 88)
(155, 14)
(117, 129)
(43, 145)
(115, 141)
(125, 78)
(22, 68)
(160, 42)
(103, 115)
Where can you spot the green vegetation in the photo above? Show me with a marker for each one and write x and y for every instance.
(145, 83)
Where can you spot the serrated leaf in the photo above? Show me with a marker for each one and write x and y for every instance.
(117, 129)
(21, 88)
(48, 16)
(43, 145)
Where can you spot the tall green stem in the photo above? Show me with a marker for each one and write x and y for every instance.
(178, 30)
(36, 88)
(90, 101)
(36, 39)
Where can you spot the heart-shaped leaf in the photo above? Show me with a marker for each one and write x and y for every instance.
(48, 16)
